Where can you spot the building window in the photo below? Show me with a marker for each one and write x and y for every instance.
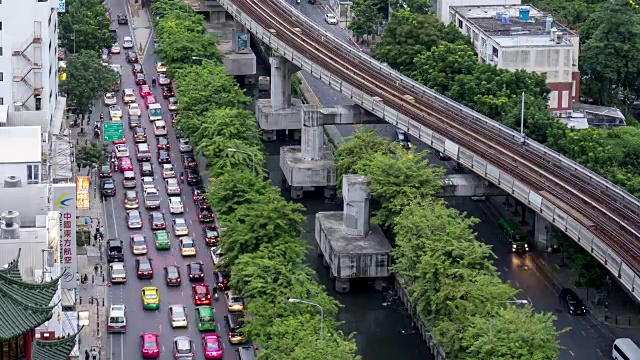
(0, 50)
(1, 76)
(1, 101)
(495, 52)
(460, 23)
(33, 174)
(38, 103)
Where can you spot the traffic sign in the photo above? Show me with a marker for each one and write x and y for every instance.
(112, 131)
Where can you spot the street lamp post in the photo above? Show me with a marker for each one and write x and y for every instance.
(73, 36)
(253, 160)
(202, 59)
(519, 302)
(291, 300)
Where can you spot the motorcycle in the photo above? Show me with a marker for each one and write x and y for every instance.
(153, 82)
(215, 295)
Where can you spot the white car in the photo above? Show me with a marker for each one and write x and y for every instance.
(159, 128)
(175, 205)
(168, 171)
(118, 273)
(329, 18)
(115, 111)
(183, 144)
(110, 99)
(127, 42)
(217, 255)
(128, 96)
(115, 48)
(173, 187)
(180, 227)
(134, 109)
(161, 67)
(122, 150)
(178, 316)
(147, 182)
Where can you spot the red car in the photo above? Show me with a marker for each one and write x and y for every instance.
(201, 294)
(123, 141)
(124, 164)
(149, 346)
(211, 346)
(145, 91)
(148, 100)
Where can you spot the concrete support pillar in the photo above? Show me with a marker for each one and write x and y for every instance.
(356, 205)
(312, 133)
(281, 71)
(542, 233)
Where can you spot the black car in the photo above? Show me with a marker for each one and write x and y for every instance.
(164, 157)
(134, 122)
(222, 280)
(156, 219)
(196, 271)
(122, 19)
(198, 195)
(144, 269)
(442, 156)
(132, 57)
(193, 177)
(137, 69)
(205, 213)
(172, 275)
(211, 235)
(141, 79)
(114, 251)
(572, 301)
(146, 169)
(403, 139)
(189, 161)
(108, 187)
(163, 143)
(105, 171)
(167, 92)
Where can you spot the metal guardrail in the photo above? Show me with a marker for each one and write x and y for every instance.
(568, 223)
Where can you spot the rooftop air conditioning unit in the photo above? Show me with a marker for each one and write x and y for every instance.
(12, 182)
(10, 227)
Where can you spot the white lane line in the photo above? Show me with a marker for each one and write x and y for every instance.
(113, 213)
(505, 269)
(122, 347)
(571, 352)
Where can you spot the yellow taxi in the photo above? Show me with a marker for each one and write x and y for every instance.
(187, 246)
(150, 298)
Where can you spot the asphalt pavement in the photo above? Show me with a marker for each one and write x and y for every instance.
(127, 346)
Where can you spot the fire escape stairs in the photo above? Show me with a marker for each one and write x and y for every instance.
(23, 78)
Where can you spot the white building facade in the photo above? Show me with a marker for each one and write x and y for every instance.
(522, 37)
(21, 153)
(28, 55)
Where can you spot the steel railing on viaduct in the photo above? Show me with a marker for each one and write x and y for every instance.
(601, 217)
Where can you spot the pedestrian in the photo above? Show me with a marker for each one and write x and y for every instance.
(86, 354)
(94, 354)
(95, 238)
(181, 177)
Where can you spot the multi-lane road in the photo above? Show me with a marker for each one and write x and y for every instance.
(127, 346)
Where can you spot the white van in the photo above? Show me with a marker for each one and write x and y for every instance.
(625, 349)
(117, 319)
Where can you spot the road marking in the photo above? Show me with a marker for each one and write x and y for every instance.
(571, 352)
(122, 347)
(583, 333)
(505, 269)
(517, 284)
(113, 213)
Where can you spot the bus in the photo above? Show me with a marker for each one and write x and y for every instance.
(625, 349)
(155, 112)
(512, 231)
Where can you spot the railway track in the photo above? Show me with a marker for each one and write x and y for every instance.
(507, 154)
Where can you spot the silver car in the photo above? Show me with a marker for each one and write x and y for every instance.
(183, 348)
(178, 316)
(147, 182)
(184, 145)
(180, 227)
(134, 220)
(173, 187)
(118, 273)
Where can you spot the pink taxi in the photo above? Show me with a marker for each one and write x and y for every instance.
(149, 346)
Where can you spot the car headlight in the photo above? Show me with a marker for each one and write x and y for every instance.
(513, 247)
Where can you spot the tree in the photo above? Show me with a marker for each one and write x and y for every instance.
(91, 155)
(398, 179)
(517, 333)
(207, 87)
(181, 47)
(85, 26)
(251, 226)
(228, 123)
(357, 147)
(439, 68)
(221, 160)
(408, 35)
(368, 16)
(87, 79)
(237, 188)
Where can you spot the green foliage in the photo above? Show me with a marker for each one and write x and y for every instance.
(573, 12)
(207, 87)
(518, 333)
(91, 155)
(357, 147)
(88, 20)
(408, 35)
(261, 231)
(367, 17)
(87, 79)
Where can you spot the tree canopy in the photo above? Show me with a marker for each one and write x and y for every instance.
(85, 26)
(87, 79)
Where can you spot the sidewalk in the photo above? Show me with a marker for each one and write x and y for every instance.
(140, 26)
(613, 308)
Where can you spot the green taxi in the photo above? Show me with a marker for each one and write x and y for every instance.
(162, 240)
(204, 318)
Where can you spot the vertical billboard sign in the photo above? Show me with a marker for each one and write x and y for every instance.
(242, 43)
(82, 192)
(64, 201)
(62, 6)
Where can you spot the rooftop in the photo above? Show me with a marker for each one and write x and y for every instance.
(58, 349)
(20, 144)
(487, 19)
